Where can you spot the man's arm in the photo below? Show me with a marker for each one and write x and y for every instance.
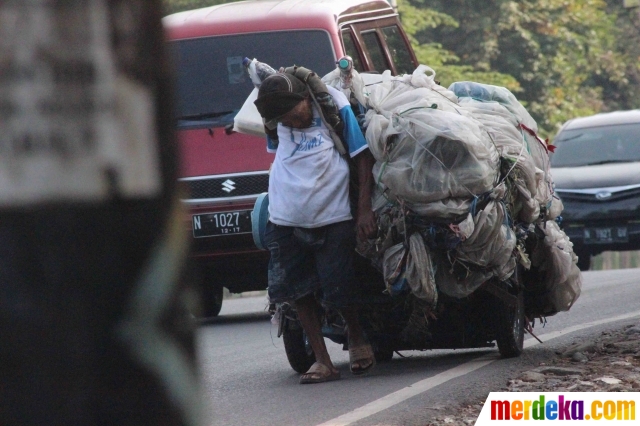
(364, 160)
(365, 219)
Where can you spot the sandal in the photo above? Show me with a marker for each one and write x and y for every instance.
(319, 373)
(359, 355)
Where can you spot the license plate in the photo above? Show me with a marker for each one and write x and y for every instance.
(222, 223)
(614, 234)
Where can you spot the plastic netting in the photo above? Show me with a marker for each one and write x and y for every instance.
(462, 179)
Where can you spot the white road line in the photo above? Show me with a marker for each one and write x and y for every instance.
(411, 391)
(460, 370)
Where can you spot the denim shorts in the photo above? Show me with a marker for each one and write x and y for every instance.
(312, 261)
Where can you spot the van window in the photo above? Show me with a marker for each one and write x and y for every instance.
(210, 77)
(597, 145)
(398, 49)
(376, 52)
(351, 49)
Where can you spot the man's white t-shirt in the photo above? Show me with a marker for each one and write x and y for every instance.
(309, 180)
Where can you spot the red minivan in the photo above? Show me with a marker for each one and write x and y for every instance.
(224, 171)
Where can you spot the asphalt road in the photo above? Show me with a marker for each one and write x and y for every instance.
(247, 380)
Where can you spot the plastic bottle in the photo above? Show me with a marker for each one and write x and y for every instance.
(257, 70)
(345, 64)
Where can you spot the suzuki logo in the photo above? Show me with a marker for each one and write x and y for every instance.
(603, 195)
(228, 185)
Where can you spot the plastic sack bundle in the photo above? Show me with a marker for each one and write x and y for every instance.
(509, 138)
(390, 225)
(526, 207)
(420, 271)
(248, 120)
(491, 243)
(513, 131)
(390, 88)
(459, 286)
(487, 249)
(438, 152)
(393, 268)
(410, 268)
(387, 101)
(436, 155)
(500, 111)
(424, 76)
(556, 208)
(540, 156)
(556, 261)
(498, 121)
(502, 95)
(356, 84)
(447, 210)
(504, 131)
(395, 97)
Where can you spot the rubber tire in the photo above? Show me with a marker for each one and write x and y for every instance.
(584, 261)
(382, 353)
(510, 328)
(297, 348)
(212, 301)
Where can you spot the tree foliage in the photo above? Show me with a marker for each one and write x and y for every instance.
(623, 93)
(562, 58)
(569, 57)
(446, 63)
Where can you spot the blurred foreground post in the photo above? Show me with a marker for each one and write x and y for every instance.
(93, 329)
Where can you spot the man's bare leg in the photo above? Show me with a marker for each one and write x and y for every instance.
(307, 308)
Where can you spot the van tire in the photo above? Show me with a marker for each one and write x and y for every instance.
(212, 301)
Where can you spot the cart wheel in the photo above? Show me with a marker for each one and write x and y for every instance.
(296, 345)
(510, 327)
(382, 352)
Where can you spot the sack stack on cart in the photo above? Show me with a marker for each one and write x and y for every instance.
(463, 190)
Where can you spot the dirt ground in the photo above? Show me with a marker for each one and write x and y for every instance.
(607, 363)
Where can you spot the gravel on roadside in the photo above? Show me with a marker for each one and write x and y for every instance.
(609, 362)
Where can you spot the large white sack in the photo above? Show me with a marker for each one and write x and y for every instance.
(540, 157)
(436, 155)
(485, 98)
(248, 120)
(503, 128)
(424, 76)
(557, 263)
